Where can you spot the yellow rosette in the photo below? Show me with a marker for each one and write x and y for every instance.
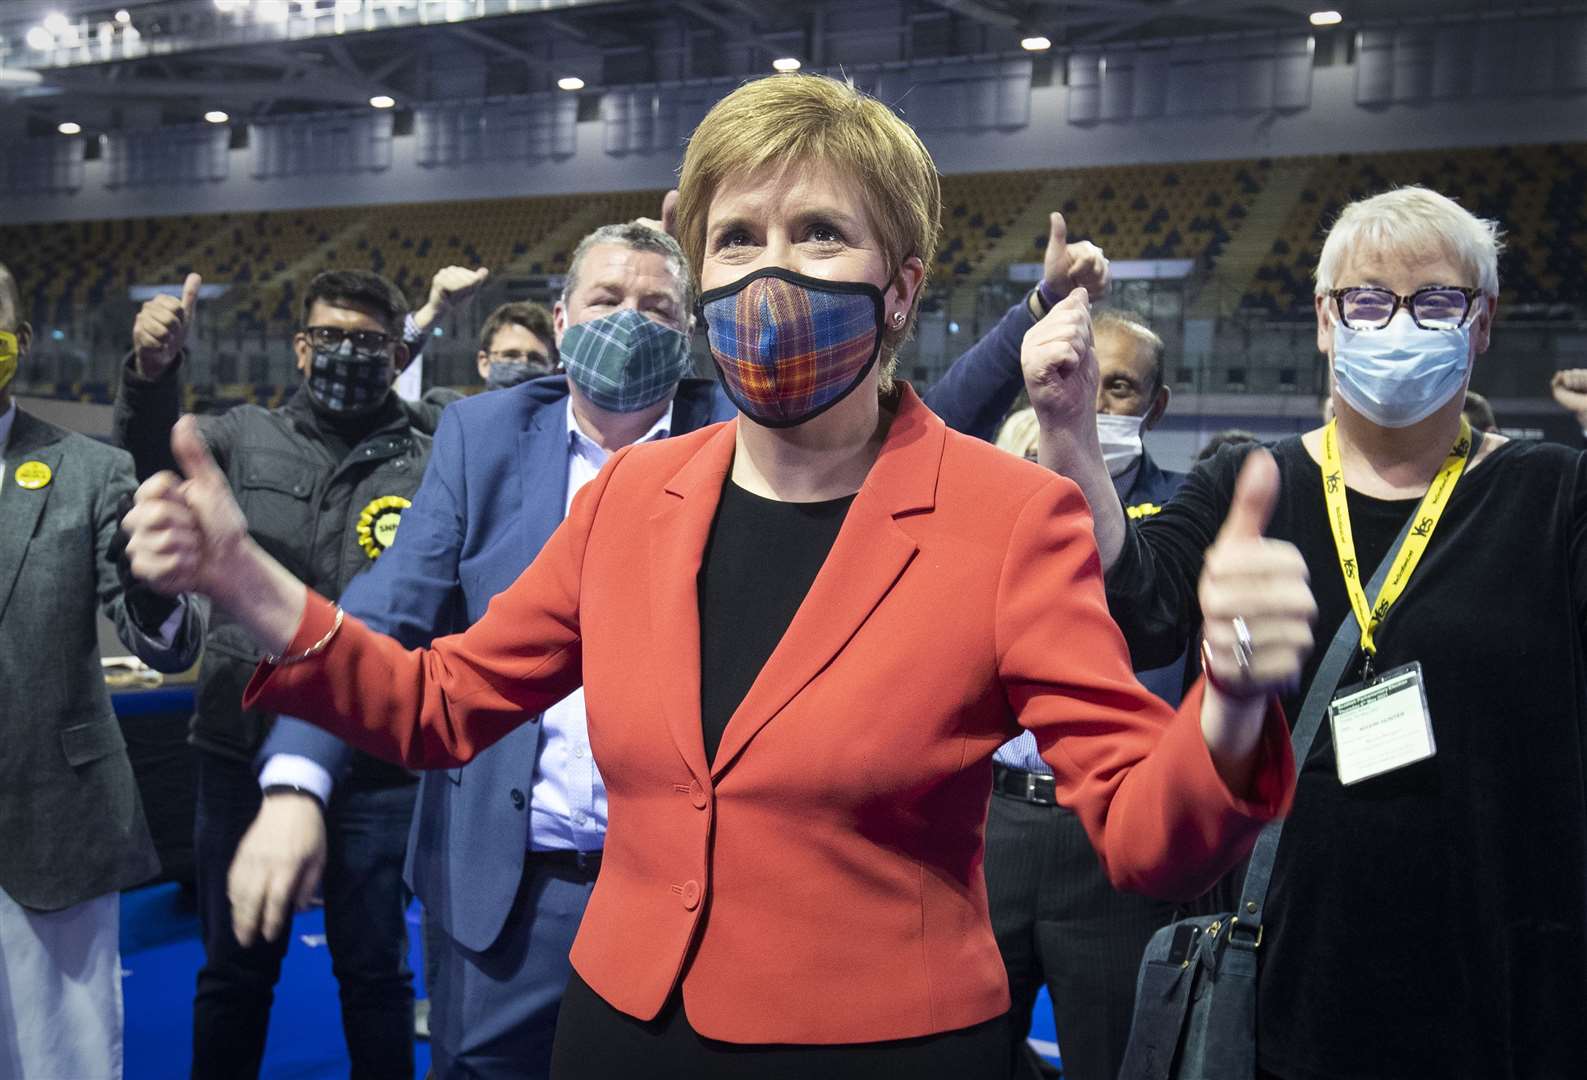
(377, 523)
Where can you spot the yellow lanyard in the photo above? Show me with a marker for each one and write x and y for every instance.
(1416, 541)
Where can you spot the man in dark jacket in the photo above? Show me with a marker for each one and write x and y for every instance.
(324, 480)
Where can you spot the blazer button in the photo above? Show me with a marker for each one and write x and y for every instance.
(517, 799)
(691, 895)
(697, 794)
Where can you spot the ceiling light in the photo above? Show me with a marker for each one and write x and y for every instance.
(215, 116)
(382, 101)
(123, 16)
(786, 63)
(348, 7)
(56, 23)
(40, 38)
(1326, 18)
(69, 128)
(570, 82)
(1035, 43)
(276, 11)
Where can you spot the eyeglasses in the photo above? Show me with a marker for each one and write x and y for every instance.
(331, 337)
(1437, 307)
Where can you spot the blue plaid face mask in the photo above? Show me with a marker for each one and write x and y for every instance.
(624, 362)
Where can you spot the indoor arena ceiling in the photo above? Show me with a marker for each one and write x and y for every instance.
(138, 63)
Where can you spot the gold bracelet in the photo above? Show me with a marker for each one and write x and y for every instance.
(312, 650)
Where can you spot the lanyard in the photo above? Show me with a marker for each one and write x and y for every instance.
(1416, 541)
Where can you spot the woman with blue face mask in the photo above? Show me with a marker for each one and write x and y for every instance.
(1427, 909)
(801, 635)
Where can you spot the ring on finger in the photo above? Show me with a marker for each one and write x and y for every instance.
(1243, 646)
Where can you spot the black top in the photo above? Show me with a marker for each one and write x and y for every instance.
(1431, 921)
(760, 560)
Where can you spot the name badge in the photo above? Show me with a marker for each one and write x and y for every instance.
(1382, 726)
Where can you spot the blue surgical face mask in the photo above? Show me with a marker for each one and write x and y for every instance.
(1400, 374)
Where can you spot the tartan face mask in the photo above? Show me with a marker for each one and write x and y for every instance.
(789, 347)
(346, 381)
(624, 362)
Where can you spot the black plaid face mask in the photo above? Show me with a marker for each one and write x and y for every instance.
(348, 382)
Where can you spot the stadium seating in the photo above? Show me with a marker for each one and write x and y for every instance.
(71, 271)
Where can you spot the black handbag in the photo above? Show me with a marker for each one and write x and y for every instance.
(1195, 994)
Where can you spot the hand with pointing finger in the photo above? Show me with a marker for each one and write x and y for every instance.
(159, 332)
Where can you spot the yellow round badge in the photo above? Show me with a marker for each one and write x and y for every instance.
(377, 524)
(33, 475)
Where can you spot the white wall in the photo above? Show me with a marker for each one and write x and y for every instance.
(1333, 124)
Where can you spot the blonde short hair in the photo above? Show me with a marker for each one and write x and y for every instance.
(801, 119)
(1019, 433)
(1417, 222)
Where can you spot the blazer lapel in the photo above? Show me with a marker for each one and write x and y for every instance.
(21, 508)
(543, 467)
(868, 558)
(678, 531)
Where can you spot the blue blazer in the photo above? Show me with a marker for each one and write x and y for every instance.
(493, 493)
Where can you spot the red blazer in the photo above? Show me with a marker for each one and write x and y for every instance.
(820, 881)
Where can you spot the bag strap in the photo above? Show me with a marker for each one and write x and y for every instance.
(1341, 651)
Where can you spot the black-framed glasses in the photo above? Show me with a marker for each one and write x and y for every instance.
(517, 356)
(1436, 307)
(331, 337)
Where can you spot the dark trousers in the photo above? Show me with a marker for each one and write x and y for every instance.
(597, 1042)
(365, 929)
(493, 1014)
(1058, 921)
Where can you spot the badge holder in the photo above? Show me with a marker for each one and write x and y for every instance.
(1381, 724)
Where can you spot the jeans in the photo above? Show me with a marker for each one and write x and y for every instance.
(365, 929)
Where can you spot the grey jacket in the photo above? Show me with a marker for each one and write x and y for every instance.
(71, 823)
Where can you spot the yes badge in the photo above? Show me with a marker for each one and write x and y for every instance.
(1382, 726)
(377, 524)
(33, 475)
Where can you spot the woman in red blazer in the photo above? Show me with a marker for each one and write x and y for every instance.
(801, 636)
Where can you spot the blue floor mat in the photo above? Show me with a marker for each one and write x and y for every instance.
(160, 958)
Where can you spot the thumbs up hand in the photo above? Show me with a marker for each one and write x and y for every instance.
(187, 535)
(1070, 266)
(1256, 601)
(160, 329)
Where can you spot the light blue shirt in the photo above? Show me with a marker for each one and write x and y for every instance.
(567, 799)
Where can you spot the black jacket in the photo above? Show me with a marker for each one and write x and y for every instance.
(304, 505)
